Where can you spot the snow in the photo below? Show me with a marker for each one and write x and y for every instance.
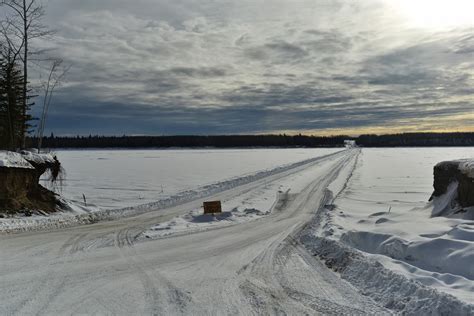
(250, 206)
(10, 159)
(445, 204)
(384, 212)
(37, 158)
(118, 178)
(386, 285)
(362, 213)
(77, 213)
(255, 267)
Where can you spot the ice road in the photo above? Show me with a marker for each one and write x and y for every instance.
(248, 267)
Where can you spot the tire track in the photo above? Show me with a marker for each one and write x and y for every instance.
(276, 265)
(156, 300)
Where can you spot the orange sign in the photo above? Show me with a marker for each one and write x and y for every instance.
(212, 207)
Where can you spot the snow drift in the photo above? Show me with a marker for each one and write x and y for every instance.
(382, 220)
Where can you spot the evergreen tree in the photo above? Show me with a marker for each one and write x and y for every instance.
(14, 117)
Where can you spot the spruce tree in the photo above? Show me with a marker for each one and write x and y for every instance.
(14, 123)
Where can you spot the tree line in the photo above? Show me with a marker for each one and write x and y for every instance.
(235, 141)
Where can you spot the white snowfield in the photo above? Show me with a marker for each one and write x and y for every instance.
(278, 248)
(114, 179)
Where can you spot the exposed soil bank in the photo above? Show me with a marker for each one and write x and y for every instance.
(456, 171)
(20, 190)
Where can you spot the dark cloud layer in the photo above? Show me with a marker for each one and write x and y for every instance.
(212, 67)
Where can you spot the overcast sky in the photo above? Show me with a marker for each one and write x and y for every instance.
(225, 66)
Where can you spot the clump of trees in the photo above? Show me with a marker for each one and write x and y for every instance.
(12, 120)
(21, 24)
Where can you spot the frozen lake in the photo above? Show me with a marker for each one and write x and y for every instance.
(120, 178)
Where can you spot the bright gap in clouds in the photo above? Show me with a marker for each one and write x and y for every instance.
(436, 13)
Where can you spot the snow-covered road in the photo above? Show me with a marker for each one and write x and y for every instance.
(253, 267)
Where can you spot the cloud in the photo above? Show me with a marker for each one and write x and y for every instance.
(184, 66)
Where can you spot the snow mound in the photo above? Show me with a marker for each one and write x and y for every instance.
(394, 291)
(9, 159)
(382, 216)
(440, 254)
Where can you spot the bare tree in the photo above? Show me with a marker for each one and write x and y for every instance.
(23, 24)
(55, 77)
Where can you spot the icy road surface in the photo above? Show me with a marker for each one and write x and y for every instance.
(254, 267)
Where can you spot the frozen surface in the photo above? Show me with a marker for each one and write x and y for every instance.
(170, 259)
(253, 268)
(385, 211)
(253, 205)
(120, 178)
(77, 212)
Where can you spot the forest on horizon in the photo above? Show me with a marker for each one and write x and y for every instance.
(236, 141)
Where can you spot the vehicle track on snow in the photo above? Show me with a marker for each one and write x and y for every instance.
(256, 267)
(156, 287)
(265, 280)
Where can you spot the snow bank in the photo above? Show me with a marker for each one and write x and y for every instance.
(383, 219)
(442, 254)
(9, 159)
(392, 290)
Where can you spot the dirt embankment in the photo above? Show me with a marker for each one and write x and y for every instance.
(448, 172)
(20, 190)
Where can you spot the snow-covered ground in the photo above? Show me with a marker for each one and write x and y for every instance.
(384, 211)
(10, 159)
(361, 213)
(251, 268)
(120, 178)
(78, 212)
(252, 205)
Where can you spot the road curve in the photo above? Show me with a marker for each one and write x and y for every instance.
(256, 267)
